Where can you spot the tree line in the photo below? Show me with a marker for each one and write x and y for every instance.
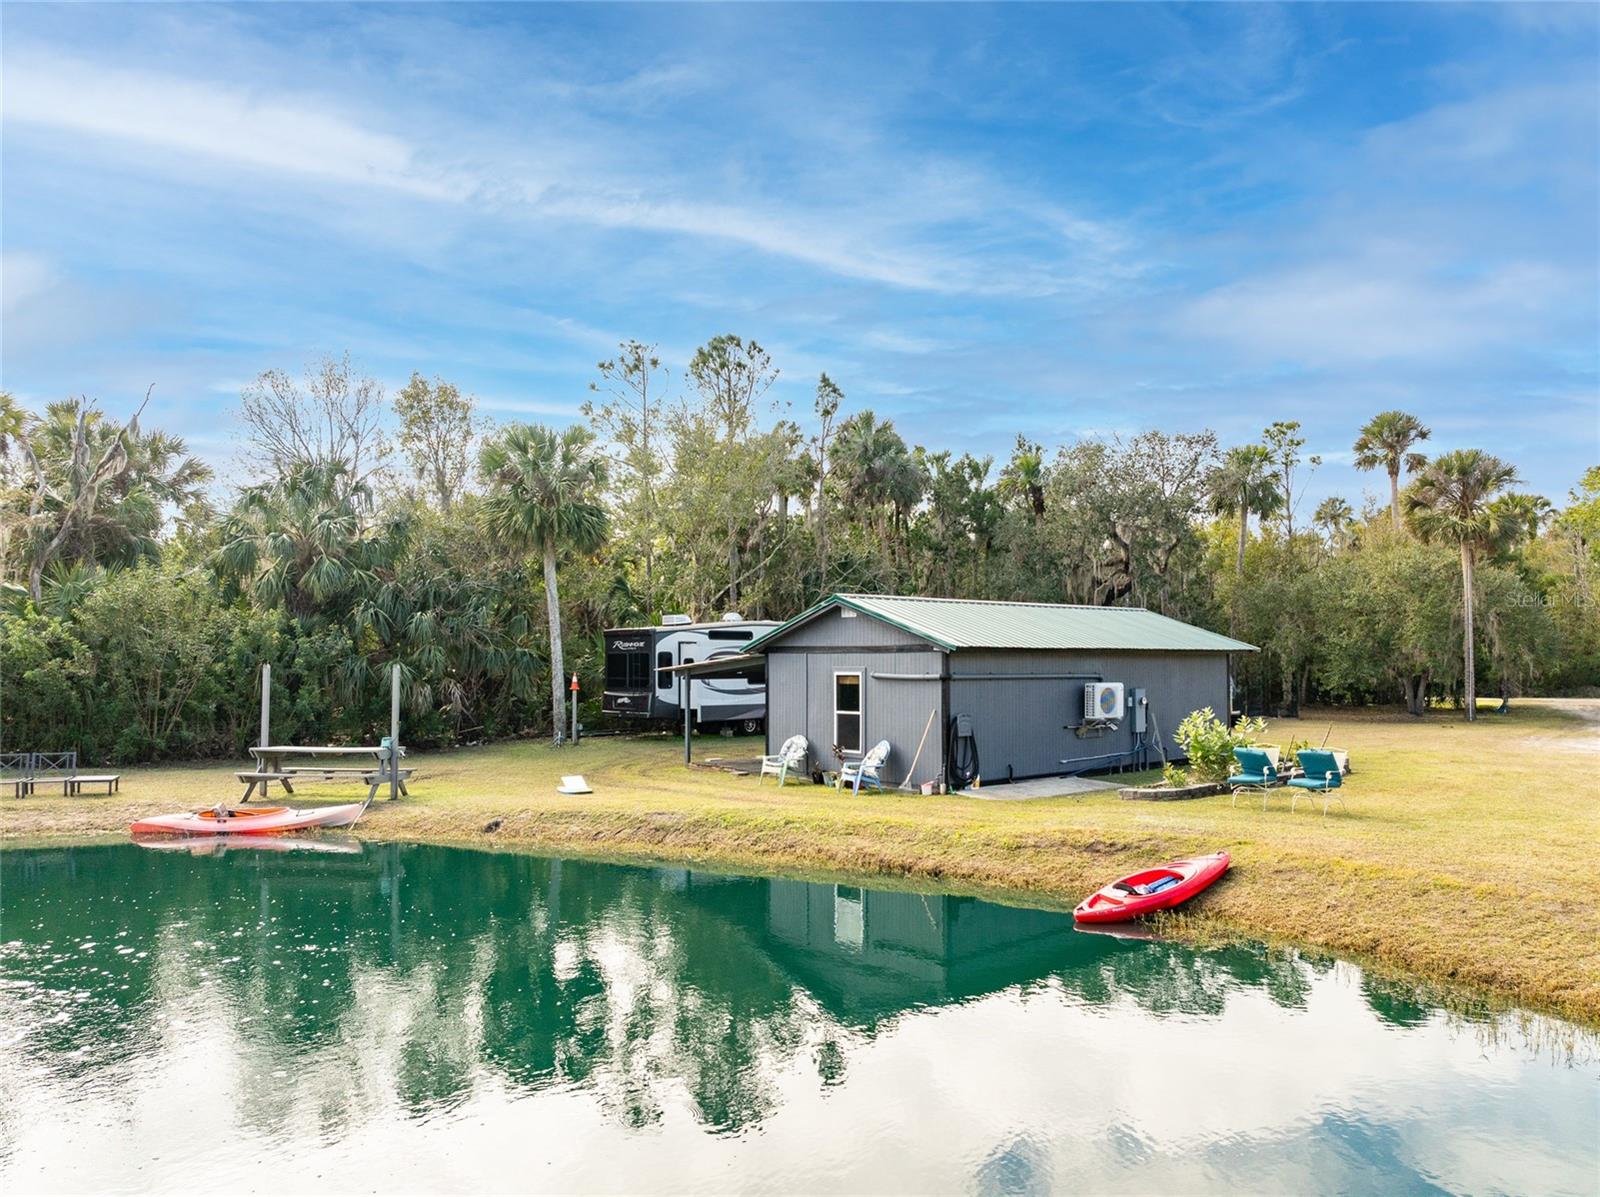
(137, 595)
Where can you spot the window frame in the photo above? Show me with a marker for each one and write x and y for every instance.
(860, 712)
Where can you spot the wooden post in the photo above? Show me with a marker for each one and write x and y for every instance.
(394, 732)
(266, 706)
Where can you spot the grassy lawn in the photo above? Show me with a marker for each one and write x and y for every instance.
(1465, 855)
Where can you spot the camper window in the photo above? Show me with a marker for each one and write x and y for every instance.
(663, 678)
(847, 711)
(627, 671)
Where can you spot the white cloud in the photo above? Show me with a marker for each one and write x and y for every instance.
(899, 342)
(299, 136)
(1376, 309)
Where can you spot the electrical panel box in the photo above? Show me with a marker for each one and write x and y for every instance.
(1139, 708)
(1102, 701)
(964, 727)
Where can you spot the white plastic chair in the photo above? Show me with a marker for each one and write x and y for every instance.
(791, 755)
(867, 769)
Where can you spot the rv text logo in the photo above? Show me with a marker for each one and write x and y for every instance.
(623, 646)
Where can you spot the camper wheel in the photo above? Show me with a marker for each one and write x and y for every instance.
(750, 727)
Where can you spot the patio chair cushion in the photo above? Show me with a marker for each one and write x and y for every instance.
(1321, 767)
(1255, 768)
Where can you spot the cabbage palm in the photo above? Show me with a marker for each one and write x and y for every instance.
(1245, 484)
(1523, 516)
(306, 542)
(880, 473)
(1452, 502)
(1386, 441)
(544, 495)
(1337, 520)
(99, 490)
(1024, 478)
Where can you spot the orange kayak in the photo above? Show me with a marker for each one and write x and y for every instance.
(264, 820)
(1150, 890)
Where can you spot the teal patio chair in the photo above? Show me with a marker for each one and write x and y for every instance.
(867, 770)
(1255, 772)
(1321, 776)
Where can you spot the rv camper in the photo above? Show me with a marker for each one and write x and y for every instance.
(639, 687)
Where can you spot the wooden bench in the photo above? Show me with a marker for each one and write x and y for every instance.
(264, 780)
(325, 773)
(380, 777)
(16, 771)
(74, 783)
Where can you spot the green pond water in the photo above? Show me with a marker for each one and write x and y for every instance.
(387, 1018)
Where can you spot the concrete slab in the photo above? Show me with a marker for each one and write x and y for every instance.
(1039, 787)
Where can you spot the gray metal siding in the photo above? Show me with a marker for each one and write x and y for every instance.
(833, 630)
(786, 702)
(899, 690)
(1022, 721)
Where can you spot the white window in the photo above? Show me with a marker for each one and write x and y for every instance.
(849, 917)
(847, 712)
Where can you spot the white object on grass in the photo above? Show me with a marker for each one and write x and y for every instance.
(573, 785)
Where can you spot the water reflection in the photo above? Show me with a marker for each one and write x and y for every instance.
(363, 990)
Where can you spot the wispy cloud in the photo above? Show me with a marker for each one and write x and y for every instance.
(185, 116)
(1375, 309)
(306, 137)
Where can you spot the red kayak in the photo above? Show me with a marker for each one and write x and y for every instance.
(264, 820)
(1153, 889)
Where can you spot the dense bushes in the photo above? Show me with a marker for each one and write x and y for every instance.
(154, 664)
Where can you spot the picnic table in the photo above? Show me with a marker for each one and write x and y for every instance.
(273, 764)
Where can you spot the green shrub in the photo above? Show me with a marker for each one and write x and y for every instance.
(1208, 742)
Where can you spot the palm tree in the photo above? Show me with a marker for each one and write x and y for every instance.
(1023, 480)
(1386, 441)
(306, 542)
(880, 473)
(544, 489)
(1452, 502)
(1337, 519)
(1524, 517)
(1245, 484)
(100, 491)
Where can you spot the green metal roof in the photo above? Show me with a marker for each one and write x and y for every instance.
(1043, 627)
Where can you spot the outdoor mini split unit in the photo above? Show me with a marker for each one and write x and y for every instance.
(1102, 700)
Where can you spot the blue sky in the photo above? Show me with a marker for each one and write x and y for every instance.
(1063, 221)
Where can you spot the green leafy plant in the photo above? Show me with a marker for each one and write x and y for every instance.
(1173, 777)
(1208, 742)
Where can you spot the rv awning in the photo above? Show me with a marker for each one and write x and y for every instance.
(716, 667)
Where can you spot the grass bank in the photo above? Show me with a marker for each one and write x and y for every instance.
(1464, 858)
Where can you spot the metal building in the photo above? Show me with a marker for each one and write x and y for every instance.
(1017, 690)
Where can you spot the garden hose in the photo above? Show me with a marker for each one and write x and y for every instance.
(962, 757)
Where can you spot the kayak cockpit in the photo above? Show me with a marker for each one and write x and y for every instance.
(1152, 882)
